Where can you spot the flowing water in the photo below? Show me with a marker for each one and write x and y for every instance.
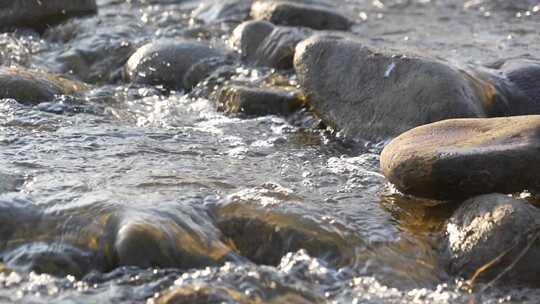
(213, 207)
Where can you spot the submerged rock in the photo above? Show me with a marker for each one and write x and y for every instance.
(176, 65)
(263, 44)
(504, 5)
(40, 15)
(59, 259)
(258, 101)
(33, 87)
(94, 50)
(374, 95)
(460, 158)
(495, 235)
(263, 227)
(312, 14)
(151, 239)
(211, 11)
(206, 293)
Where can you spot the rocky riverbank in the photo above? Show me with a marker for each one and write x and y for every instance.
(189, 111)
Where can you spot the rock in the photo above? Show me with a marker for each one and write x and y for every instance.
(258, 101)
(94, 50)
(173, 63)
(501, 5)
(40, 15)
(460, 158)
(149, 239)
(58, 259)
(211, 11)
(524, 78)
(372, 95)
(32, 87)
(310, 14)
(263, 228)
(263, 44)
(495, 228)
(207, 293)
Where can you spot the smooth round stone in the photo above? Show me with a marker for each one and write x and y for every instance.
(461, 158)
(495, 229)
(41, 14)
(258, 101)
(301, 13)
(152, 240)
(170, 63)
(263, 44)
(33, 87)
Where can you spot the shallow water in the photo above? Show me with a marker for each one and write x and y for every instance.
(214, 207)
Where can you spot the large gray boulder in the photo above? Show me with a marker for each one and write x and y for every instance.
(263, 44)
(460, 158)
(41, 14)
(317, 15)
(33, 87)
(499, 233)
(373, 95)
(176, 65)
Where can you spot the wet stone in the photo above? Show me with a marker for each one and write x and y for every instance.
(263, 44)
(523, 76)
(151, 239)
(258, 101)
(301, 13)
(263, 228)
(460, 158)
(95, 49)
(372, 95)
(222, 11)
(208, 294)
(495, 237)
(58, 258)
(10, 182)
(174, 64)
(40, 15)
(33, 87)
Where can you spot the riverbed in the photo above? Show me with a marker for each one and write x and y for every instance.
(76, 171)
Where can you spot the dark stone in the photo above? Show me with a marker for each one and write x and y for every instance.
(94, 50)
(372, 95)
(495, 229)
(295, 13)
(263, 44)
(151, 239)
(170, 63)
(524, 78)
(460, 158)
(263, 231)
(57, 259)
(258, 101)
(32, 87)
(41, 14)
(211, 11)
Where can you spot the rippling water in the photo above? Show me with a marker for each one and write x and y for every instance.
(213, 207)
